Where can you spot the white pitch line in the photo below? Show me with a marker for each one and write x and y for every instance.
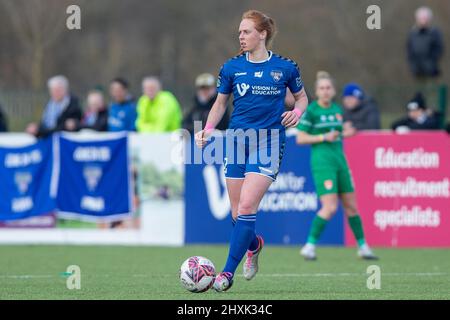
(268, 275)
(292, 275)
(26, 276)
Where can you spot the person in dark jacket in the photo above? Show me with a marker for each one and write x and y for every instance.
(360, 112)
(205, 96)
(96, 115)
(424, 46)
(62, 113)
(419, 117)
(3, 121)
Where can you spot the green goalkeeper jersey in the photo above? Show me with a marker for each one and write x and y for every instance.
(320, 120)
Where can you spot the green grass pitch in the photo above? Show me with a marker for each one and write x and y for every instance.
(116, 272)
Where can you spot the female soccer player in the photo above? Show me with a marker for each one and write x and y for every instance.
(258, 80)
(322, 126)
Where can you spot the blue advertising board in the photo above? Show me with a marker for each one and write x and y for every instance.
(285, 212)
(27, 181)
(95, 179)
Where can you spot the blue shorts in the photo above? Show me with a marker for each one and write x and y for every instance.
(244, 154)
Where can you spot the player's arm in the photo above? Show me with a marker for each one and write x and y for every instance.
(301, 100)
(289, 100)
(215, 115)
(291, 118)
(218, 110)
(305, 127)
(306, 138)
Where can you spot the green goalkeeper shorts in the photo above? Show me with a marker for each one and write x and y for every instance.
(330, 181)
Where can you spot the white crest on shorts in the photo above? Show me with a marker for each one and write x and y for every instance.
(328, 184)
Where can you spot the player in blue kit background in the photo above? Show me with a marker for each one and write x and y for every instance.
(259, 81)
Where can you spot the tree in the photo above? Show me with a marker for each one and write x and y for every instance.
(37, 28)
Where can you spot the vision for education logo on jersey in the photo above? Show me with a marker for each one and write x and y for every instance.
(242, 88)
(276, 75)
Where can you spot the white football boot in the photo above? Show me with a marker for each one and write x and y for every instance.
(309, 251)
(364, 252)
(223, 281)
(251, 262)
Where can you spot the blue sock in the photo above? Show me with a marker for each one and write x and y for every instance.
(241, 237)
(254, 244)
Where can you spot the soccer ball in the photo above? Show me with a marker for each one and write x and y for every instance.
(197, 274)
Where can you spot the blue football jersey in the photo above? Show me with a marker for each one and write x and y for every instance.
(259, 89)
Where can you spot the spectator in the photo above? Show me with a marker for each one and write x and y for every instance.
(419, 117)
(204, 99)
(3, 121)
(62, 113)
(425, 46)
(158, 110)
(360, 112)
(96, 115)
(122, 111)
(163, 192)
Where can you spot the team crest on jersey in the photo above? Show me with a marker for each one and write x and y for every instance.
(276, 75)
(338, 117)
(328, 184)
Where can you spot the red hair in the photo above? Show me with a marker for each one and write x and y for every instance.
(262, 23)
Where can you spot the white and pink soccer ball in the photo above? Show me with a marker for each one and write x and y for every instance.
(197, 274)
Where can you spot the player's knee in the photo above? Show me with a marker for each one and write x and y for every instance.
(246, 207)
(350, 210)
(330, 209)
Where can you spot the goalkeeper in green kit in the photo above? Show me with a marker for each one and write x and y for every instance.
(322, 127)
